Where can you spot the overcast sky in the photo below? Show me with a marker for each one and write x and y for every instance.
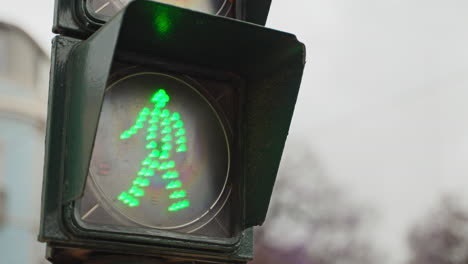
(382, 103)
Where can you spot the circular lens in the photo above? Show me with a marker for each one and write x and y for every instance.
(108, 8)
(161, 154)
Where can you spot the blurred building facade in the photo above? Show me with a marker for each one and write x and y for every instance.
(24, 72)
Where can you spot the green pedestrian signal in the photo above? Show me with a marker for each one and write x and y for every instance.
(166, 126)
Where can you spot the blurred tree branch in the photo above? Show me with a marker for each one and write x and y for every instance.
(312, 221)
(442, 236)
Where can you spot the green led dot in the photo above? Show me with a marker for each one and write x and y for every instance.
(137, 181)
(167, 138)
(185, 203)
(163, 166)
(164, 155)
(133, 130)
(145, 111)
(123, 196)
(171, 164)
(151, 136)
(170, 175)
(144, 183)
(125, 135)
(174, 185)
(165, 113)
(134, 203)
(141, 119)
(149, 173)
(139, 125)
(158, 95)
(180, 132)
(137, 192)
(178, 124)
(156, 112)
(154, 120)
(166, 130)
(154, 165)
(165, 122)
(151, 145)
(154, 154)
(160, 98)
(166, 146)
(178, 194)
(179, 205)
(160, 104)
(181, 140)
(146, 162)
(182, 148)
(153, 128)
(142, 172)
(175, 116)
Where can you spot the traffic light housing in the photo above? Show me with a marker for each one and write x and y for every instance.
(248, 76)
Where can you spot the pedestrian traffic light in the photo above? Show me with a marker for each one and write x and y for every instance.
(165, 129)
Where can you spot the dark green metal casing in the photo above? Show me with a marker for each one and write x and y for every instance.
(72, 19)
(270, 64)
